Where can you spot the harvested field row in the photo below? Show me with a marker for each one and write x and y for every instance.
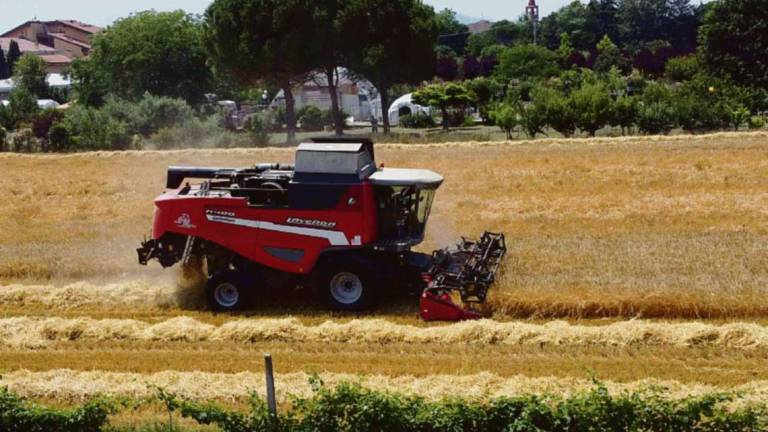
(71, 386)
(32, 333)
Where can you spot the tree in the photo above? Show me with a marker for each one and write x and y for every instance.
(330, 50)
(448, 24)
(525, 62)
(484, 91)
(592, 105)
(570, 19)
(264, 40)
(681, 68)
(4, 72)
(734, 39)
(22, 105)
(610, 56)
(601, 18)
(14, 54)
(505, 117)
(149, 52)
(623, 113)
(30, 73)
(502, 32)
(643, 21)
(394, 42)
(444, 96)
(558, 108)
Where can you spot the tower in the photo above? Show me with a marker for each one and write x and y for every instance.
(532, 12)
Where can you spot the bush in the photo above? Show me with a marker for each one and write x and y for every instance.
(59, 138)
(682, 68)
(3, 135)
(311, 118)
(350, 407)
(417, 121)
(42, 123)
(505, 117)
(756, 122)
(655, 118)
(257, 129)
(18, 415)
(94, 129)
(740, 115)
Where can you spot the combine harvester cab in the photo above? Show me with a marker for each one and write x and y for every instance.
(334, 221)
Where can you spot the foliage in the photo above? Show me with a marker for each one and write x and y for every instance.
(610, 56)
(95, 129)
(148, 115)
(484, 90)
(14, 54)
(3, 136)
(22, 105)
(592, 106)
(264, 40)
(350, 407)
(42, 123)
(756, 122)
(682, 68)
(558, 109)
(157, 52)
(505, 117)
(501, 33)
(59, 137)
(417, 120)
(4, 72)
(733, 40)
(24, 141)
(739, 115)
(257, 129)
(524, 62)
(655, 118)
(311, 118)
(445, 97)
(394, 43)
(448, 24)
(30, 73)
(19, 415)
(623, 113)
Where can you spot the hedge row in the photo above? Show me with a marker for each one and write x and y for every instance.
(350, 407)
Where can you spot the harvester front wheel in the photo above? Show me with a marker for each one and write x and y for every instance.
(347, 283)
(226, 291)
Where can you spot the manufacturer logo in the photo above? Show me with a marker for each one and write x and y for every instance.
(311, 223)
(184, 221)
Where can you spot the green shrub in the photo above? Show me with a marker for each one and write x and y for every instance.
(3, 136)
(682, 68)
(655, 118)
(592, 106)
(739, 115)
(756, 122)
(350, 407)
(417, 120)
(19, 415)
(255, 126)
(505, 117)
(311, 118)
(623, 113)
(42, 123)
(59, 137)
(94, 129)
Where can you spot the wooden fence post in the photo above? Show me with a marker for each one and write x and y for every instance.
(270, 378)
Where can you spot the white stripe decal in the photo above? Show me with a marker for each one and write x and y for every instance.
(336, 238)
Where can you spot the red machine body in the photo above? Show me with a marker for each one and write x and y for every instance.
(334, 221)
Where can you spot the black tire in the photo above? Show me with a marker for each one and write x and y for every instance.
(347, 283)
(227, 291)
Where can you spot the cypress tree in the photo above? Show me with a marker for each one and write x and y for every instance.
(14, 54)
(4, 73)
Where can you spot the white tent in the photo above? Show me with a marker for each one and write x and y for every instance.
(404, 105)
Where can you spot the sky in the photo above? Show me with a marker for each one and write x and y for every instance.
(103, 12)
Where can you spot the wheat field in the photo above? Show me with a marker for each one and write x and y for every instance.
(643, 261)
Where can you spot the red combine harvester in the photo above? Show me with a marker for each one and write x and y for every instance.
(334, 221)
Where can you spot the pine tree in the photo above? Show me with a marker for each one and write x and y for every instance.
(14, 54)
(4, 73)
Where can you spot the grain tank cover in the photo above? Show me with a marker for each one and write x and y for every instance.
(420, 178)
(337, 159)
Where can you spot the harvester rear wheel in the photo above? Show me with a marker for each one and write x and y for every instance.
(227, 291)
(347, 283)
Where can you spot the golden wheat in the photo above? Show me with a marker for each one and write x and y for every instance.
(70, 386)
(632, 227)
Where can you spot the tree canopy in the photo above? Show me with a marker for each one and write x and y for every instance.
(30, 73)
(156, 52)
(734, 41)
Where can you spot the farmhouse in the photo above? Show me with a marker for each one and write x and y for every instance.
(57, 42)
